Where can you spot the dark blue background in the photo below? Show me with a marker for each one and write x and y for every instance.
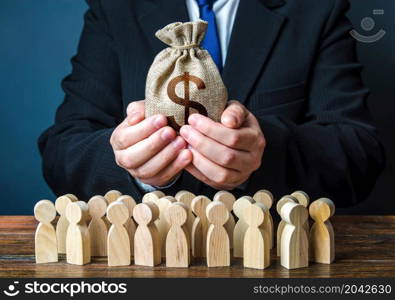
(37, 40)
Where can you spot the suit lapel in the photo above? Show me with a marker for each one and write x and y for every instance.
(254, 34)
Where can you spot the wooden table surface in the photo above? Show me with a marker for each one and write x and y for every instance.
(365, 247)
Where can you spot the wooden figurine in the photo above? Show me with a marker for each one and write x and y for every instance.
(303, 199)
(178, 252)
(282, 223)
(294, 241)
(72, 197)
(147, 247)
(241, 225)
(78, 243)
(152, 196)
(200, 226)
(266, 198)
(118, 243)
(228, 199)
(256, 242)
(112, 196)
(62, 225)
(45, 243)
(97, 226)
(162, 223)
(322, 237)
(218, 246)
(186, 198)
(130, 225)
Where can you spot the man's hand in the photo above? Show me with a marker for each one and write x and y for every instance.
(148, 149)
(224, 154)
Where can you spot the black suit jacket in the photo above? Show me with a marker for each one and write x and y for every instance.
(292, 63)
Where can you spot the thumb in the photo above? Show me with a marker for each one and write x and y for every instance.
(234, 115)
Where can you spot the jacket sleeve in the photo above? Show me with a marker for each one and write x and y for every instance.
(77, 155)
(335, 151)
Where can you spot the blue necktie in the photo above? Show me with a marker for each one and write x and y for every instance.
(211, 40)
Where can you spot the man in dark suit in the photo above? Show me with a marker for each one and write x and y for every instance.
(300, 120)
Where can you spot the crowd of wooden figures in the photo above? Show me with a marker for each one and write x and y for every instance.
(184, 227)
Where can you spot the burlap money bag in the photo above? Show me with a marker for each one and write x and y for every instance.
(183, 79)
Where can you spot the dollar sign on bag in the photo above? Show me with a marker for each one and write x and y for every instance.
(186, 102)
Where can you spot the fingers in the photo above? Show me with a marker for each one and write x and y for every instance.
(125, 137)
(234, 115)
(241, 139)
(160, 161)
(135, 106)
(212, 171)
(163, 178)
(136, 155)
(199, 176)
(214, 151)
(135, 112)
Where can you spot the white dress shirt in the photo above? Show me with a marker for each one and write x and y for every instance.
(225, 14)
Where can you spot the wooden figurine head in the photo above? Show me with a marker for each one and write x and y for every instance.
(62, 202)
(185, 197)
(112, 196)
(152, 196)
(217, 213)
(77, 212)
(145, 213)
(73, 197)
(129, 202)
(294, 213)
(301, 197)
(265, 197)
(254, 214)
(44, 211)
(322, 209)
(226, 198)
(241, 204)
(199, 204)
(117, 213)
(97, 206)
(284, 200)
(177, 214)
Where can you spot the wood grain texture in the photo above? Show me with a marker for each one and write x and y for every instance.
(147, 247)
(321, 238)
(45, 237)
(162, 223)
(97, 227)
(178, 249)
(372, 236)
(281, 225)
(118, 243)
(200, 226)
(241, 226)
(256, 242)
(78, 243)
(186, 197)
(152, 196)
(130, 225)
(218, 246)
(294, 240)
(266, 198)
(62, 225)
(229, 200)
(112, 196)
(304, 199)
